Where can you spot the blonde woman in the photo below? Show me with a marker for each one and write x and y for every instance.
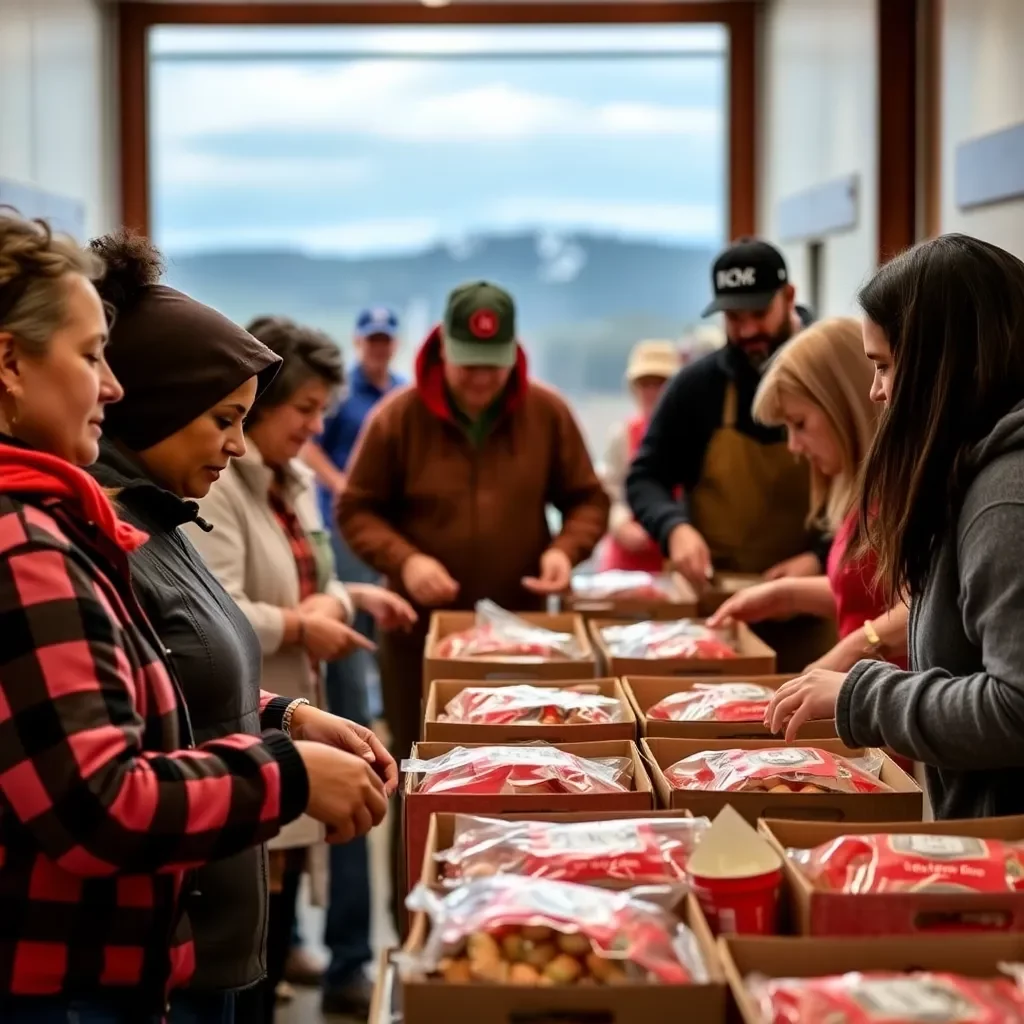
(818, 387)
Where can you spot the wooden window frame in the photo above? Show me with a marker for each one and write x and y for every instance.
(738, 16)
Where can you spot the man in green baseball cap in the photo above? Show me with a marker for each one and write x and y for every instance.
(449, 484)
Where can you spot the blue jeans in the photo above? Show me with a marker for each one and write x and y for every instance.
(347, 927)
(202, 1008)
(57, 1010)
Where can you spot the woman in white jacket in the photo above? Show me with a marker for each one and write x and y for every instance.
(269, 548)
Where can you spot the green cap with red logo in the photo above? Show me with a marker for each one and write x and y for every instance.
(479, 327)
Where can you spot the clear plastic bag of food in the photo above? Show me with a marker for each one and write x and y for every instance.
(622, 585)
(913, 863)
(714, 702)
(500, 634)
(522, 704)
(662, 640)
(888, 998)
(531, 931)
(526, 769)
(778, 770)
(637, 850)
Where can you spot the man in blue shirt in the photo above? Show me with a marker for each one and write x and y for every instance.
(347, 932)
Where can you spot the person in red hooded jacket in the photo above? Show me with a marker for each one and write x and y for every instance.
(106, 804)
(628, 546)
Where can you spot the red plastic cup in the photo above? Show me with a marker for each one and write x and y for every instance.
(740, 906)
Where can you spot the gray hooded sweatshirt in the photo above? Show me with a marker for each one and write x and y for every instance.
(960, 710)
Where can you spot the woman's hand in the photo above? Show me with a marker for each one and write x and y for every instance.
(389, 610)
(345, 793)
(631, 535)
(807, 564)
(756, 604)
(809, 697)
(327, 639)
(310, 723)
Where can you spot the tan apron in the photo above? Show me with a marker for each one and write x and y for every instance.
(750, 506)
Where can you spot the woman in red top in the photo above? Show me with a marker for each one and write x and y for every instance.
(628, 546)
(819, 386)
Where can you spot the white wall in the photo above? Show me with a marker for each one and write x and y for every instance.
(818, 123)
(56, 115)
(982, 68)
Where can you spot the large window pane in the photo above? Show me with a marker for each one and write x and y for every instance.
(313, 172)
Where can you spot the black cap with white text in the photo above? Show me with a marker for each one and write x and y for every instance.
(747, 276)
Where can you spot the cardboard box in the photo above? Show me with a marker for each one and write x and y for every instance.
(384, 1006)
(443, 690)
(812, 958)
(645, 691)
(905, 803)
(681, 604)
(814, 912)
(429, 1001)
(418, 807)
(443, 624)
(441, 835)
(723, 585)
(754, 656)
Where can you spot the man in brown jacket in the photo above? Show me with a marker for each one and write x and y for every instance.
(449, 483)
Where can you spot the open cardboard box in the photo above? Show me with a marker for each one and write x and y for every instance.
(645, 691)
(443, 624)
(680, 603)
(418, 807)
(441, 835)
(754, 656)
(443, 690)
(904, 803)
(722, 586)
(429, 1001)
(384, 1008)
(815, 958)
(814, 912)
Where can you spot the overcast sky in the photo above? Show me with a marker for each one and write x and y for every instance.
(369, 152)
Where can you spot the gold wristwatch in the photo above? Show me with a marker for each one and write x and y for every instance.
(874, 647)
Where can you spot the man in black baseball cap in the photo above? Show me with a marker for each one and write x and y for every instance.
(751, 287)
(745, 499)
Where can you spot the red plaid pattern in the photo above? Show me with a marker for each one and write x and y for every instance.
(298, 541)
(101, 813)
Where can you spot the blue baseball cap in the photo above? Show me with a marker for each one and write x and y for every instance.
(377, 320)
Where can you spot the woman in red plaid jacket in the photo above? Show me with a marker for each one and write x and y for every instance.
(103, 814)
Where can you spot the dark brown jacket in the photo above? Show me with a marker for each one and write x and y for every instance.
(417, 484)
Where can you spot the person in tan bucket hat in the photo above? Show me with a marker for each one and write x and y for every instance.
(628, 545)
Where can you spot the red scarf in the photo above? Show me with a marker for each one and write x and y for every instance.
(26, 471)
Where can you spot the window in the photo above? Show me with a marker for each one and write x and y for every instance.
(312, 172)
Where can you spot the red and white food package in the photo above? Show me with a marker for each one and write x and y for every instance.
(531, 705)
(662, 640)
(565, 931)
(888, 998)
(500, 634)
(913, 863)
(778, 770)
(638, 850)
(527, 769)
(622, 585)
(714, 702)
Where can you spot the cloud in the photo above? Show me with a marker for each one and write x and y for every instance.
(407, 101)
(669, 221)
(183, 167)
(347, 238)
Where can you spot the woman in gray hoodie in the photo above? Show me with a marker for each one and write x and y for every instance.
(943, 506)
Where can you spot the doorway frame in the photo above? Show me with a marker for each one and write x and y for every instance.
(739, 17)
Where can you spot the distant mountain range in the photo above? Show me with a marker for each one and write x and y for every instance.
(582, 300)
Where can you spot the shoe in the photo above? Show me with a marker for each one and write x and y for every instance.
(352, 1000)
(302, 968)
